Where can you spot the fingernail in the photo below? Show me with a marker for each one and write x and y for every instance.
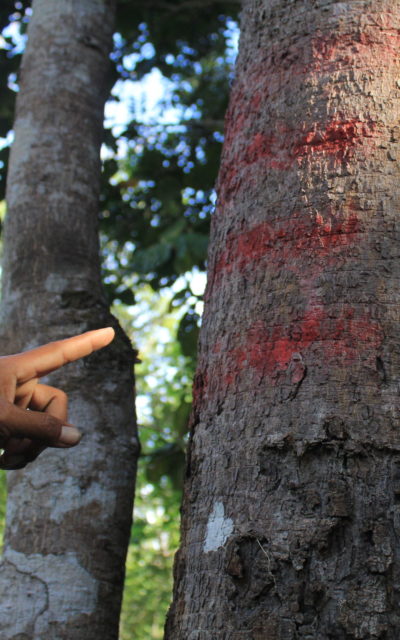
(69, 436)
(13, 462)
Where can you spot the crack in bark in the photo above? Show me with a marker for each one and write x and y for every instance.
(91, 43)
(32, 576)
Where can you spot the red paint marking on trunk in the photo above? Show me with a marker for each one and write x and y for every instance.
(346, 337)
(358, 48)
(288, 148)
(272, 149)
(317, 57)
(338, 139)
(323, 53)
(342, 339)
(378, 43)
(266, 245)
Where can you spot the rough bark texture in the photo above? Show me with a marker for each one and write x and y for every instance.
(291, 516)
(69, 513)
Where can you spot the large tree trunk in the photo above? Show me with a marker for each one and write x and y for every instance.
(69, 513)
(291, 516)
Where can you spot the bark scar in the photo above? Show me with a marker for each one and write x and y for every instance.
(297, 371)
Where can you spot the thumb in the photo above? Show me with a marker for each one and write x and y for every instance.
(35, 425)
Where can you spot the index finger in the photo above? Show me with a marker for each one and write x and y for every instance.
(43, 360)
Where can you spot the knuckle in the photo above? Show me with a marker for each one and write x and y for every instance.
(59, 394)
(6, 410)
(50, 426)
(62, 395)
(7, 367)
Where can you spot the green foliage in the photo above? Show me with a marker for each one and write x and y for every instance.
(158, 199)
(164, 402)
(188, 332)
(148, 584)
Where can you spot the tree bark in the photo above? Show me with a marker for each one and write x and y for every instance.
(69, 513)
(291, 514)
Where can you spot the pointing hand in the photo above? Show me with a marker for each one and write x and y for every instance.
(24, 433)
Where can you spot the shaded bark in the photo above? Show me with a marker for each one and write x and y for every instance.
(69, 513)
(291, 512)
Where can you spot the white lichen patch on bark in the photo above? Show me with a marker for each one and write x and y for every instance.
(73, 498)
(25, 592)
(219, 528)
(46, 595)
(56, 283)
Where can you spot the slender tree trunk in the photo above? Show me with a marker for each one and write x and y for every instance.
(291, 516)
(69, 513)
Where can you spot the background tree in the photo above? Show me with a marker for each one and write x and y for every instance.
(290, 517)
(68, 517)
(157, 195)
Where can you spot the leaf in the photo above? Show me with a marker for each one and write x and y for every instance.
(179, 298)
(166, 461)
(174, 231)
(126, 297)
(181, 421)
(188, 333)
(148, 260)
